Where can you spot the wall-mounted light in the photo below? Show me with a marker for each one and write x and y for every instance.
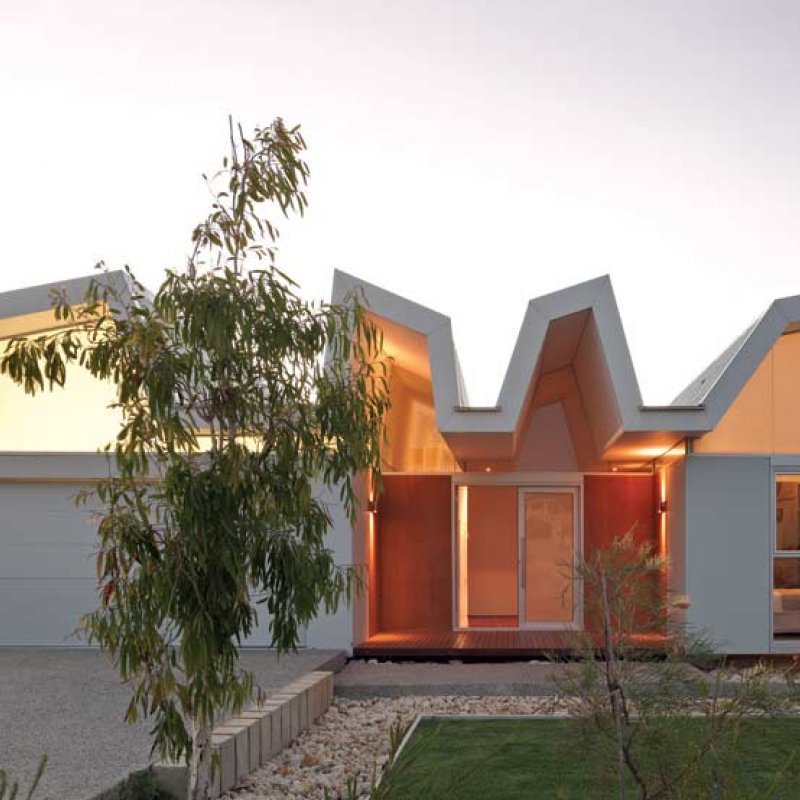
(372, 507)
(662, 507)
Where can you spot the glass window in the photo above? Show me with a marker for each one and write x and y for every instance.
(786, 558)
(787, 513)
(786, 598)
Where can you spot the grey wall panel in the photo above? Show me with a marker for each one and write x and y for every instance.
(727, 549)
(47, 571)
(69, 560)
(336, 630)
(47, 566)
(44, 611)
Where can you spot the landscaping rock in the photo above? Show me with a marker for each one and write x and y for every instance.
(352, 739)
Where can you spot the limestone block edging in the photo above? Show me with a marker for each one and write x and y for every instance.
(249, 740)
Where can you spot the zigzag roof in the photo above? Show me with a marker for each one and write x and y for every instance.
(694, 411)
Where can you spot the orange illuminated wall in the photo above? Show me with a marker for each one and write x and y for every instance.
(413, 441)
(414, 554)
(615, 505)
(374, 614)
(763, 418)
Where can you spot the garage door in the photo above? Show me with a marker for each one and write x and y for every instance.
(47, 566)
(47, 571)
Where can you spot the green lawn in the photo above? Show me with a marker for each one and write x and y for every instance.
(513, 758)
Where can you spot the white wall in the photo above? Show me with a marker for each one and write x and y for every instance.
(335, 630)
(728, 550)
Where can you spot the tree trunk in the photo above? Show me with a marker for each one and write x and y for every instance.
(199, 767)
(612, 685)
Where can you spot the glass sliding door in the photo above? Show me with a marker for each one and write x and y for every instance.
(514, 549)
(548, 546)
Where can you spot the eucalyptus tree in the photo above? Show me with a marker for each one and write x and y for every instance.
(239, 401)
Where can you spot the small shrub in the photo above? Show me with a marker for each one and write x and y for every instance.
(142, 786)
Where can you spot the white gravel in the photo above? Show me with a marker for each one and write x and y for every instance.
(352, 739)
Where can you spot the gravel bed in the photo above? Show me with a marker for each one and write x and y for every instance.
(352, 739)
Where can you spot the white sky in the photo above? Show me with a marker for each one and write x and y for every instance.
(468, 155)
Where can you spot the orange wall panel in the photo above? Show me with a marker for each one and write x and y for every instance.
(414, 553)
(616, 504)
(763, 418)
(613, 506)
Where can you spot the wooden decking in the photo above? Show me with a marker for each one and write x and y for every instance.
(466, 644)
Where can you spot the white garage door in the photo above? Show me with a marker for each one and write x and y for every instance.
(47, 571)
(47, 566)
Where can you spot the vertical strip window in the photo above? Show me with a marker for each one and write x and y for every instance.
(786, 559)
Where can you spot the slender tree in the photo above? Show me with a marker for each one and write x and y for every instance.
(241, 404)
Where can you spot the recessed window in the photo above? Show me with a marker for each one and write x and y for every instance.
(787, 513)
(786, 558)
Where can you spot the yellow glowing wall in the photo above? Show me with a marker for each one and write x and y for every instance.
(413, 440)
(73, 419)
(764, 417)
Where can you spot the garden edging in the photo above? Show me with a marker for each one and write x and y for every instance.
(247, 741)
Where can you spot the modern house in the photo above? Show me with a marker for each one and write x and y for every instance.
(481, 508)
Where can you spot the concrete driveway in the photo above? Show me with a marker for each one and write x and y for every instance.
(69, 704)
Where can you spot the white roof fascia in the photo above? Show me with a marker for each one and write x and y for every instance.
(688, 420)
(33, 299)
(597, 296)
(435, 327)
(452, 417)
(749, 356)
(618, 357)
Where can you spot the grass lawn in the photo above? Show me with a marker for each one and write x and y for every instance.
(513, 758)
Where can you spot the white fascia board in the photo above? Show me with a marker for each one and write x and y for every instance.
(523, 365)
(683, 420)
(44, 467)
(749, 356)
(33, 299)
(618, 357)
(596, 296)
(385, 304)
(435, 327)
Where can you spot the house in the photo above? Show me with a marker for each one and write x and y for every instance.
(463, 551)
